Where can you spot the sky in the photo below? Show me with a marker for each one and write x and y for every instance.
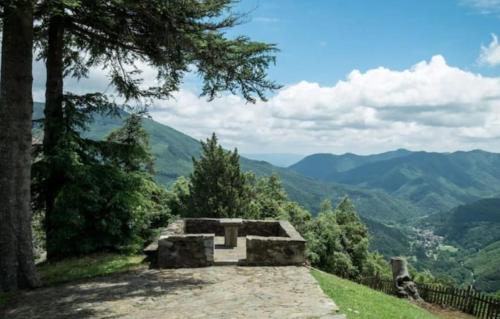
(358, 76)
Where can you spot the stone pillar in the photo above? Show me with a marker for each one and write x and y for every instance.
(231, 236)
(231, 226)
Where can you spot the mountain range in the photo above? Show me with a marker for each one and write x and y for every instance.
(433, 182)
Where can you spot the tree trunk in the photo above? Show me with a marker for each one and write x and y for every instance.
(17, 268)
(54, 122)
(405, 287)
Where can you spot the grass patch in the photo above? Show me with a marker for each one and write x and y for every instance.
(360, 302)
(86, 267)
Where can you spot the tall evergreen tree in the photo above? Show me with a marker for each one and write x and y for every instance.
(133, 152)
(169, 36)
(354, 234)
(217, 186)
(109, 199)
(17, 269)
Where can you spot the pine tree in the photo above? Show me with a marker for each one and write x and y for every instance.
(218, 187)
(354, 235)
(129, 147)
(109, 200)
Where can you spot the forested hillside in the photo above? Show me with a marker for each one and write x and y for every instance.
(471, 226)
(474, 232)
(434, 182)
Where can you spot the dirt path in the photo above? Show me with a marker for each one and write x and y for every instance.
(213, 292)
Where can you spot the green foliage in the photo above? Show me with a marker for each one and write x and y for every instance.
(484, 264)
(390, 241)
(299, 217)
(133, 152)
(376, 266)
(179, 197)
(101, 208)
(268, 198)
(474, 232)
(107, 200)
(217, 187)
(471, 226)
(169, 36)
(358, 301)
(86, 267)
(338, 240)
(424, 277)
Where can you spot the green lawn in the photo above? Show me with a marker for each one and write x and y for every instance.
(360, 302)
(86, 267)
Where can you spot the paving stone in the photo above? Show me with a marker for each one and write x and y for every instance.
(211, 292)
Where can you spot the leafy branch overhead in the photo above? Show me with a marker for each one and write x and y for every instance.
(170, 36)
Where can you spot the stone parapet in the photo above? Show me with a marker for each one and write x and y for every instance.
(287, 249)
(190, 243)
(185, 251)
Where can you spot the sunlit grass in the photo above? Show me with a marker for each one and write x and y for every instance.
(360, 302)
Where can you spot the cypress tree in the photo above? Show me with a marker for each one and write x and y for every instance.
(217, 186)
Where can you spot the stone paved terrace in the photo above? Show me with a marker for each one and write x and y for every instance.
(211, 292)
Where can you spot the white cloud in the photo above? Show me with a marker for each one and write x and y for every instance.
(429, 106)
(490, 55)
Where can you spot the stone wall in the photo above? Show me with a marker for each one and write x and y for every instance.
(249, 227)
(187, 250)
(190, 243)
(288, 249)
(151, 251)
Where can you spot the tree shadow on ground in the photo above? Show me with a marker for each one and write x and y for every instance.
(84, 299)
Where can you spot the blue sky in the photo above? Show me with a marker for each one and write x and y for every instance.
(323, 40)
(359, 76)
